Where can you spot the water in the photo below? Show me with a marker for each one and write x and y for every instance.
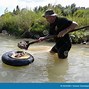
(46, 67)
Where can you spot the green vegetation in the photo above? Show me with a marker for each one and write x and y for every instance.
(30, 23)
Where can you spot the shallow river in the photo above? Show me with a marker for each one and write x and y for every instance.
(46, 67)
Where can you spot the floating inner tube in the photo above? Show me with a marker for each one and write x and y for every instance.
(17, 58)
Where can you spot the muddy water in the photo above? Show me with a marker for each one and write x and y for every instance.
(46, 67)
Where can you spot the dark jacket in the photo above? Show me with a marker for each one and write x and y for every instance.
(59, 25)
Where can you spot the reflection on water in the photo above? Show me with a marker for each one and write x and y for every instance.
(46, 67)
(57, 71)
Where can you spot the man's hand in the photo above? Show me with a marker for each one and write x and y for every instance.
(62, 33)
(41, 39)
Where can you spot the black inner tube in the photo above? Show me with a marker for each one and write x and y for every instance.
(7, 59)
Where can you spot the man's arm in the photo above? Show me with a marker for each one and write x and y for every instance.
(67, 30)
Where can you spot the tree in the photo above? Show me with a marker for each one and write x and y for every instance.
(17, 11)
(73, 8)
(6, 11)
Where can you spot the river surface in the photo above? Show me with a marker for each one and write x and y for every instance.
(46, 67)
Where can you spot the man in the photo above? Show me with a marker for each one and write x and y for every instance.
(60, 27)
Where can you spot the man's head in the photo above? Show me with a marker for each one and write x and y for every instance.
(50, 16)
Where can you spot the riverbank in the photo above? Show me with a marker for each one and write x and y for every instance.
(33, 35)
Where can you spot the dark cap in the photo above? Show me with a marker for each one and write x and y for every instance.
(49, 13)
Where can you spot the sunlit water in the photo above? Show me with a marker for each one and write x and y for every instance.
(46, 67)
